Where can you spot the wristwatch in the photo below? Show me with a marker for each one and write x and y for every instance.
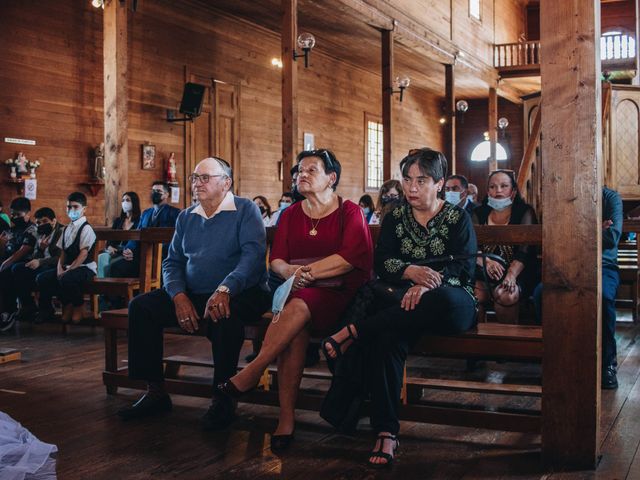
(223, 289)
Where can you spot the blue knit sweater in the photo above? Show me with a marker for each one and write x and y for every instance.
(228, 249)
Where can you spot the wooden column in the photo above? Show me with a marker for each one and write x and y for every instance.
(450, 109)
(116, 99)
(571, 261)
(493, 124)
(289, 90)
(387, 102)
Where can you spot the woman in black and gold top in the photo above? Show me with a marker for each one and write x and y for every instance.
(439, 298)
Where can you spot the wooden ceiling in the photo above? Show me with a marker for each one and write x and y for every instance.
(340, 35)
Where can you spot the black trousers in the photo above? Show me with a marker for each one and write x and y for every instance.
(391, 332)
(121, 268)
(150, 313)
(7, 291)
(68, 288)
(24, 282)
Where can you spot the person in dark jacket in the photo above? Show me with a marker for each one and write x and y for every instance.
(111, 263)
(45, 258)
(505, 206)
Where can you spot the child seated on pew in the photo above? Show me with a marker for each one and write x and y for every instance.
(75, 266)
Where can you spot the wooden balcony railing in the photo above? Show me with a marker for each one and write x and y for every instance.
(521, 54)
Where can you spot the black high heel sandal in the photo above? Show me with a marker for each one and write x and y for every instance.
(228, 389)
(336, 345)
(280, 443)
(380, 454)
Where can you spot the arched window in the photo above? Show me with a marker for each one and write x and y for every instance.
(483, 150)
(615, 45)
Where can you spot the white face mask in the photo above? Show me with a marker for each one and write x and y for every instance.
(452, 197)
(499, 204)
(127, 206)
(284, 205)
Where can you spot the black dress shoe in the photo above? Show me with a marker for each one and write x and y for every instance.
(280, 443)
(147, 406)
(220, 415)
(609, 378)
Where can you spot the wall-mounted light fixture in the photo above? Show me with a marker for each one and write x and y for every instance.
(97, 3)
(306, 42)
(100, 4)
(276, 62)
(503, 123)
(402, 82)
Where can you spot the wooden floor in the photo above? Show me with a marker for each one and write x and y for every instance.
(56, 392)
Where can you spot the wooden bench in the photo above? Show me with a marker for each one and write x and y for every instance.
(487, 341)
(629, 267)
(150, 264)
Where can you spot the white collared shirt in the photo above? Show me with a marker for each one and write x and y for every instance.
(228, 204)
(87, 238)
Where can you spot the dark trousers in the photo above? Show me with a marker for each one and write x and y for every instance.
(391, 332)
(24, 282)
(68, 288)
(7, 291)
(150, 313)
(121, 268)
(610, 284)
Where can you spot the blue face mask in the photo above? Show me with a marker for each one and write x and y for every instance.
(366, 211)
(74, 214)
(452, 197)
(499, 204)
(280, 297)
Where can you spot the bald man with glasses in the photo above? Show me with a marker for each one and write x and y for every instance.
(214, 279)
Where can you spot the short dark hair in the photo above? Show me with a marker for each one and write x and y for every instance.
(45, 212)
(287, 194)
(165, 185)
(430, 162)
(20, 204)
(463, 180)
(367, 201)
(78, 197)
(329, 160)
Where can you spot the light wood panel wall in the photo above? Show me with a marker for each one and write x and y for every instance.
(51, 90)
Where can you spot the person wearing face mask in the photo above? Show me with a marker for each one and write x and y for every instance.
(75, 266)
(455, 192)
(160, 215)
(505, 206)
(265, 209)
(19, 243)
(110, 262)
(472, 192)
(390, 196)
(45, 258)
(286, 200)
(366, 204)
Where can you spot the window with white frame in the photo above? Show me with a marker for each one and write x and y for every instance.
(373, 157)
(475, 9)
(617, 45)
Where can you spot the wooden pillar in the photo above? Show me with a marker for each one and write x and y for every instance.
(387, 102)
(493, 128)
(289, 90)
(450, 109)
(116, 99)
(571, 261)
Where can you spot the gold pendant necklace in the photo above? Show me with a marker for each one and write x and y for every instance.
(313, 232)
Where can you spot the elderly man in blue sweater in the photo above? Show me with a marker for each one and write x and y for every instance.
(215, 278)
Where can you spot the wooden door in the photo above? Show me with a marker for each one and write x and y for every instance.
(215, 132)
(624, 142)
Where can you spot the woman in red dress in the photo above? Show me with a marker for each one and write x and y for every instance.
(325, 243)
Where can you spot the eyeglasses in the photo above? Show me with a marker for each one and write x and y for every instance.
(204, 178)
(322, 153)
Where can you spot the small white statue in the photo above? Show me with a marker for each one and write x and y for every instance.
(22, 164)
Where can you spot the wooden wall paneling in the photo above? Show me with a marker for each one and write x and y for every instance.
(116, 106)
(449, 115)
(387, 101)
(571, 264)
(509, 20)
(289, 37)
(227, 127)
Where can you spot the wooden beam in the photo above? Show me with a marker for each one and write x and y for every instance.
(387, 102)
(116, 106)
(493, 125)
(571, 235)
(528, 157)
(289, 90)
(450, 108)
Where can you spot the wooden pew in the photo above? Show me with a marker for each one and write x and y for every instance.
(488, 340)
(629, 265)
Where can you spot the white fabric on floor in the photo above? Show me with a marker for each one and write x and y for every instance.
(22, 455)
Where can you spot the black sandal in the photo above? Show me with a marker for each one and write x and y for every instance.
(380, 454)
(336, 345)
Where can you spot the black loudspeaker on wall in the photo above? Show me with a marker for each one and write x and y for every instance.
(192, 96)
(191, 103)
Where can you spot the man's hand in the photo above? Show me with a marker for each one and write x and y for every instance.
(127, 254)
(606, 224)
(33, 264)
(218, 306)
(186, 313)
(61, 271)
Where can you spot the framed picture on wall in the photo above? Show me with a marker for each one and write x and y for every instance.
(148, 156)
